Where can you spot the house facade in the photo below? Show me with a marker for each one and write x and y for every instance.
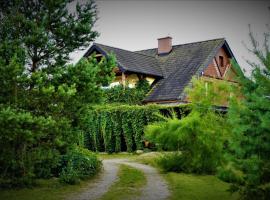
(169, 68)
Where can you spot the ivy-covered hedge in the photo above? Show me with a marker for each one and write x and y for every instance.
(115, 128)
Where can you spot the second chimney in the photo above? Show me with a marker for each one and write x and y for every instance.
(164, 45)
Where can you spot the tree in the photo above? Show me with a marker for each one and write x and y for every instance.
(250, 119)
(40, 94)
(36, 38)
(48, 30)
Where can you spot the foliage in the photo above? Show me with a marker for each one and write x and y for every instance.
(47, 30)
(74, 86)
(39, 93)
(77, 164)
(199, 136)
(126, 95)
(30, 146)
(57, 100)
(230, 174)
(250, 119)
(201, 143)
(12, 78)
(172, 162)
(114, 128)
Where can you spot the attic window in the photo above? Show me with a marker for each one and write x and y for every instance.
(221, 61)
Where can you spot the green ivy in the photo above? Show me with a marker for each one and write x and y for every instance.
(115, 128)
(126, 95)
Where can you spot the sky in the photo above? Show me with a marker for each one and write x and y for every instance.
(137, 24)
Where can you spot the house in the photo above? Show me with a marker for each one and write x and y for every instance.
(169, 68)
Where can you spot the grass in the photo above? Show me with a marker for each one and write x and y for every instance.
(50, 189)
(116, 155)
(198, 187)
(129, 184)
(182, 186)
(190, 186)
(148, 158)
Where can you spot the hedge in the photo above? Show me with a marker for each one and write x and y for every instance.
(115, 128)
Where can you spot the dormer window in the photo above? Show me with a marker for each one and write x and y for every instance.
(221, 61)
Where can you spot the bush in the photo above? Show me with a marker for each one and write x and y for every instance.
(200, 136)
(30, 146)
(172, 162)
(78, 164)
(69, 175)
(230, 174)
(200, 142)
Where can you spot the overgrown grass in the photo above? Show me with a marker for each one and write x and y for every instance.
(50, 189)
(116, 155)
(197, 187)
(129, 184)
(148, 158)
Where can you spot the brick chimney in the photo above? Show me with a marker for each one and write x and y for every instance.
(164, 45)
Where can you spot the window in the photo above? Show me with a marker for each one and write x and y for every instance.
(221, 61)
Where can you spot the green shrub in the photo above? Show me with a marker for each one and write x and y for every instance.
(230, 175)
(30, 146)
(200, 142)
(69, 175)
(199, 136)
(77, 164)
(172, 162)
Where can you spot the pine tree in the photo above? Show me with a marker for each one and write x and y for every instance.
(250, 119)
(48, 30)
(40, 94)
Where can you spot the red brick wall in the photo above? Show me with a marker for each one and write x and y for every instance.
(216, 70)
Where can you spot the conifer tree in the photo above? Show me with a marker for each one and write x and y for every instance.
(250, 119)
(48, 30)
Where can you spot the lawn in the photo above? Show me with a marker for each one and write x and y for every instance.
(50, 189)
(129, 184)
(197, 187)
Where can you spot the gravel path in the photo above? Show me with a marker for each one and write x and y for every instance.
(155, 189)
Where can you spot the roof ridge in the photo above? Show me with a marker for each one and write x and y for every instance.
(124, 50)
(200, 41)
(223, 38)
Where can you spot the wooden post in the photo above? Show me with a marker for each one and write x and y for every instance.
(206, 88)
(124, 79)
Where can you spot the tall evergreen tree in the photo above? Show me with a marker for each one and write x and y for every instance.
(48, 30)
(40, 93)
(250, 119)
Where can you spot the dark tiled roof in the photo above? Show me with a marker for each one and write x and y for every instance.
(132, 61)
(175, 69)
(179, 66)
